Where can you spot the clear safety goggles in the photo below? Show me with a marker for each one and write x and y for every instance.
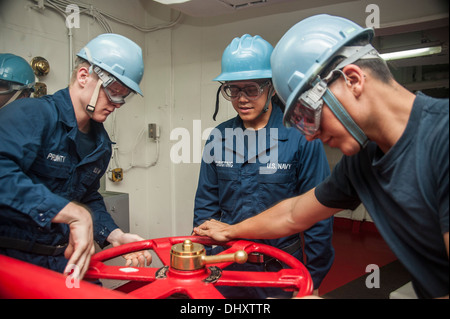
(116, 91)
(306, 113)
(251, 90)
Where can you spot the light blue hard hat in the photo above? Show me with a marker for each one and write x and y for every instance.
(16, 69)
(246, 58)
(118, 56)
(306, 49)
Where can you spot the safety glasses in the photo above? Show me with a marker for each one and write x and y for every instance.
(251, 90)
(306, 113)
(116, 91)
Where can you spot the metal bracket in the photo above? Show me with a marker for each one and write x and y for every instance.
(214, 276)
(161, 273)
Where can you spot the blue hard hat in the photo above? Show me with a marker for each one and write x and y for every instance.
(16, 69)
(306, 49)
(118, 56)
(246, 58)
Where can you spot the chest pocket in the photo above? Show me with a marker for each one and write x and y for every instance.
(89, 175)
(53, 174)
(275, 187)
(228, 180)
(86, 178)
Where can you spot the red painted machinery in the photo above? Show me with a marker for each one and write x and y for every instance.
(187, 271)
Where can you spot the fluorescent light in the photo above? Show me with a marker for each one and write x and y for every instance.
(411, 53)
(171, 1)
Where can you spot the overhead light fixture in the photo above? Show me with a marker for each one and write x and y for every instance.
(414, 53)
(171, 1)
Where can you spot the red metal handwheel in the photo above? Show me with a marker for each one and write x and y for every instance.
(147, 282)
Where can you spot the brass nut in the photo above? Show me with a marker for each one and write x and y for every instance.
(40, 66)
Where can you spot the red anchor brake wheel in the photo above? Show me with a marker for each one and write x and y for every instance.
(195, 279)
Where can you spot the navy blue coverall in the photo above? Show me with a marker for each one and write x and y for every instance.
(243, 173)
(41, 172)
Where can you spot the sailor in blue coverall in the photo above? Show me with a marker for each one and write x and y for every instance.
(252, 161)
(49, 161)
(395, 144)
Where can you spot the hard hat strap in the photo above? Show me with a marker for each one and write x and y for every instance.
(90, 108)
(306, 115)
(355, 53)
(264, 110)
(15, 87)
(217, 103)
(269, 98)
(352, 54)
(13, 98)
(343, 116)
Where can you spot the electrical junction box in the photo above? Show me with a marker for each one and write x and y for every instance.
(153, 131)
(117, 205)
(117, 175)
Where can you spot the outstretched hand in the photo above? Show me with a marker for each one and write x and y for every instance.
(81, 241)
(214, 229)
(135, 259)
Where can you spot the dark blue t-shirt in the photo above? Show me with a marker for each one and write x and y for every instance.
(85, 143)
(405, 192)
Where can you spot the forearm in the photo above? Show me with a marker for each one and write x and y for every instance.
(275, 222)
(288, 217)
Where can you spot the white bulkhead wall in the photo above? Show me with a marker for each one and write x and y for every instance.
(179, 94)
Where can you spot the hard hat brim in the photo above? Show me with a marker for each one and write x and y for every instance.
(244, 75)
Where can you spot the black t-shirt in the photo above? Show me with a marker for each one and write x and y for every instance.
(405, 192)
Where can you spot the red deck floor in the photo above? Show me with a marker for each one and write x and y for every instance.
(356, 244)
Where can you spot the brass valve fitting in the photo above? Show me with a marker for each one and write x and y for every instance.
(192, 256)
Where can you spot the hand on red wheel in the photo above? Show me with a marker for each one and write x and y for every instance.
(198, 283)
